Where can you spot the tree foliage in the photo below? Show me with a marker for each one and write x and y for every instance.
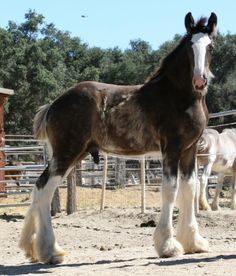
(39, 62)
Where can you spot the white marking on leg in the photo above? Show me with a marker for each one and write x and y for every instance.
(204, 205)
(215, 202)
(165, 244)
(37, 237)
(188, 233)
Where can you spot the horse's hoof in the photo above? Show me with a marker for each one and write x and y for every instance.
(205, 208)
(54, 260)
(233, 206)
(199, 245)
(170, 248)
(215, 207)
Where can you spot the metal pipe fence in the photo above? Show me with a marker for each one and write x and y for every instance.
(28, 159)
(120, 172)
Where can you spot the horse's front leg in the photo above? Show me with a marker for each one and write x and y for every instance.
(215, 203)
(165, 243)
(203, 203)
(188, 232)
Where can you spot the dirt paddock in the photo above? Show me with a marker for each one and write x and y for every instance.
(115, 243)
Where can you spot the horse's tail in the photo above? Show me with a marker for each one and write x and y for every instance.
(40, 122)
(202, 144)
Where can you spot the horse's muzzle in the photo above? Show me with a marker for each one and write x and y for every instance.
(199, 82)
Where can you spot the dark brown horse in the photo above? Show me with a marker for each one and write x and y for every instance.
(167, 114)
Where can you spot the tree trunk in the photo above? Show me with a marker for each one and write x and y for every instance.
(78, 172)
(56, 205)
(120, 172)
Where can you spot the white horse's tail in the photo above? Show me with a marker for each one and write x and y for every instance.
(202, 144)
(40, 122)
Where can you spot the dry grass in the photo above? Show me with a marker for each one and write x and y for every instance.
(90, 198)
(128, 197)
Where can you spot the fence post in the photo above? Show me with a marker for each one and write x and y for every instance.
(104, 182)
(143, 188)
(71, 193)
(197, 187)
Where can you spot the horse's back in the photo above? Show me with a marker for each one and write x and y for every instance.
(227, 148)
(219, 148)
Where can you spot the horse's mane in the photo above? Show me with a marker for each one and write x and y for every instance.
(230, 132)
(199, 27)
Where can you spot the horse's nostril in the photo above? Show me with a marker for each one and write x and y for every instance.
(199, 82)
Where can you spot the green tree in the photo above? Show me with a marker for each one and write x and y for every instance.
(39, 62)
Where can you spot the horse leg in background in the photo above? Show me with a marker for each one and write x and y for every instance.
(203, 203)
(37, 238)
(215, 203)
(233, 198)
(187, 231)
(165, 243)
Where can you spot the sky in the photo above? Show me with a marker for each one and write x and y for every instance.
(112, 23)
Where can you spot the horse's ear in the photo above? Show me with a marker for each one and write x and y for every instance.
(211, 25)
(189, 22)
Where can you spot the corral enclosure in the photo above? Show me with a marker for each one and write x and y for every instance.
(123, 187)
(117, 241)
(123, 183)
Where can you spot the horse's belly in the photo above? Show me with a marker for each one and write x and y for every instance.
(223, 164)
(126, 148)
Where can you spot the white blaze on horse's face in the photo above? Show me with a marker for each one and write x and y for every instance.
(200, 42)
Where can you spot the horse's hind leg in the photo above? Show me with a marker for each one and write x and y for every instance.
(203, 203)
(233, 199)
(37, 237)
(215, 203)
(28, 235)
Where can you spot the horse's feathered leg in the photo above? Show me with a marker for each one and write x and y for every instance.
(37, 238)
(28, 235)
(165, 243)
(187, 232)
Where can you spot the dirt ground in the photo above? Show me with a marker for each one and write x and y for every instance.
(114, 243)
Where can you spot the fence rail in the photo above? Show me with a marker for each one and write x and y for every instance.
(91, 174)
(222, 114)
(30, 159)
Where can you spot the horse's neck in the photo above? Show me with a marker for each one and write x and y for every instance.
(164, 91)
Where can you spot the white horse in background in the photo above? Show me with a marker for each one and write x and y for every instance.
(217, 151)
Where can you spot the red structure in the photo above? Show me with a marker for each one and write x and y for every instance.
(4, 93)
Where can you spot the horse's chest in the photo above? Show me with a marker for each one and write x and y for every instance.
(196, 115)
